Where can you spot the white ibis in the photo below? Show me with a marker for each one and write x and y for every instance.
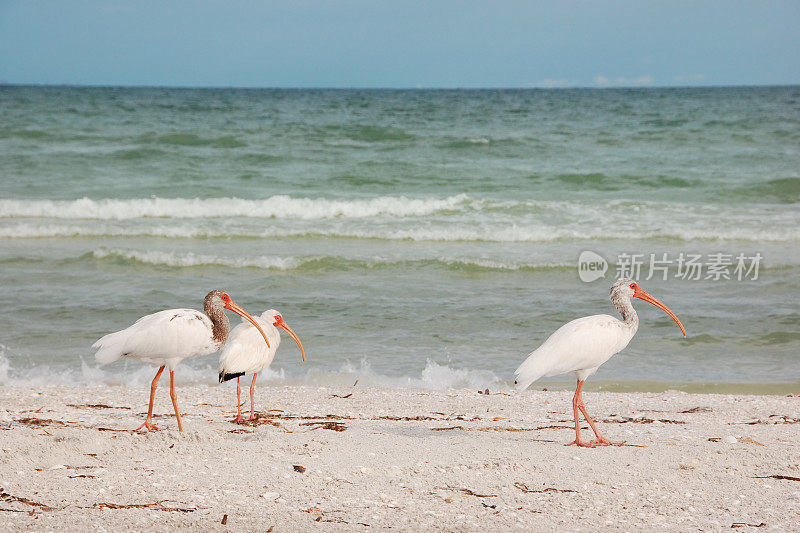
(584, 344)
(168, 337)
(245, 353)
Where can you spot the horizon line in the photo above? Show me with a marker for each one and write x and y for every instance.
(387, 88)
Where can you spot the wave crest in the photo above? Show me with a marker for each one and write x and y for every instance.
(279, 206)
(498, 232)
(434, 376)
(190, 259)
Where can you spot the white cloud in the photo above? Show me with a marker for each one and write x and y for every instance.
(641, 81)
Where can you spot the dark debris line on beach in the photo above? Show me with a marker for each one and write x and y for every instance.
(778, 476)
(155, 506)
(10, 498)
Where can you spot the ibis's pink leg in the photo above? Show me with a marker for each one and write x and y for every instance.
(577, 403)
(252, 398)
(238, 418)
(600, 440)
(174, 396)
(148, 422)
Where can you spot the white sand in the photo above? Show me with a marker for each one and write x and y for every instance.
(493, 470)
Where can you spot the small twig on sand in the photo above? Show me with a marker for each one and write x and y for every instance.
(315, 417)
(95, 406)
(778, 476)
(524, 488)
(6, 497)
(697, 410)
(473, 493)
(155, 506)
(501, 428)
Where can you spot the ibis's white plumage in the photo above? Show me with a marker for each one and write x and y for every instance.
(582, 345)
(246, 352)
(245, 355)
(163, 338)
(579, 346)
(166, 338)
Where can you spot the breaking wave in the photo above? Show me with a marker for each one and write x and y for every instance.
(190, 259)
(279, 206)
(452, 232)
(434, 376)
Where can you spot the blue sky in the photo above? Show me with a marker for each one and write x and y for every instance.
(298, 43)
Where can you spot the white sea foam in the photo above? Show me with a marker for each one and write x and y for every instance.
(493, 232)
(547, 233)
(433, 376)
(451, 218)
(495, 264)
(175, 231)
(279, 206)
(4, 364)
(190, 259)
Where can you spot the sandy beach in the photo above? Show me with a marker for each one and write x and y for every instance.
(346, 459)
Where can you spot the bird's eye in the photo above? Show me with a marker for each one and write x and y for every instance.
(225, 297)
(633, 286)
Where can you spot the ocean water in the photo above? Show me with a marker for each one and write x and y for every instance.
(412, 238)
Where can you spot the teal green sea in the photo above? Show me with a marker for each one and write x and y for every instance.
(412, 238)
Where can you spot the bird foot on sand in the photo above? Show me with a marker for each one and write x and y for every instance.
(147, 424)
(582, 443)
(238, 420)
(602, 441)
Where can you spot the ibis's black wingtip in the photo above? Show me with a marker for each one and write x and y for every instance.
(223, 376)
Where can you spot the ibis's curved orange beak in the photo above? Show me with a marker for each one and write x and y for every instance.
(284, 326)
(233, 306)
(642, 294)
